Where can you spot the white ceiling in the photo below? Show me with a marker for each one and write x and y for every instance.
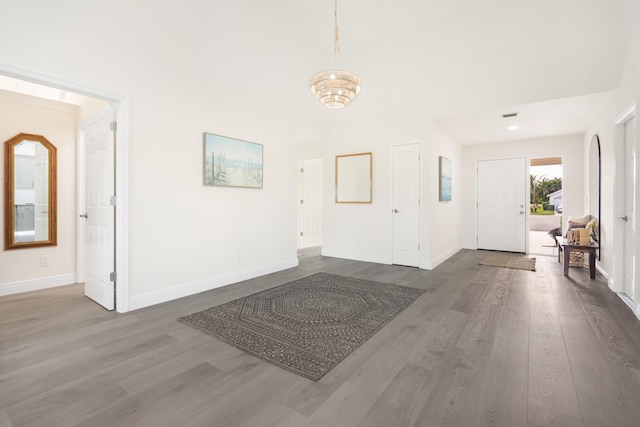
(566, 116)
(456, 60)
(27, 88)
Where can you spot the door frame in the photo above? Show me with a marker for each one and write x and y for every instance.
(120, 105)
(616, 283)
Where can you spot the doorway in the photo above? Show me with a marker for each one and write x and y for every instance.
(310, 203)
(405, 209)
(545, 204)
(625, 208)
(44, 85)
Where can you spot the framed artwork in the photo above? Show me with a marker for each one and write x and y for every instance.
(230, 162)
(353, 178)
(445, 179)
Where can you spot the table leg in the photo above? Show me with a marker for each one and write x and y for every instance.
(592, 263)
(567, 257)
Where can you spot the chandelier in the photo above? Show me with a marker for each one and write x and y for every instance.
(335, 88)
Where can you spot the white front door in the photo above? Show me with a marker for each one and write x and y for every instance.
(311, 203)
(99, 241)
(630, 168)
(406, 205)
(502, 205)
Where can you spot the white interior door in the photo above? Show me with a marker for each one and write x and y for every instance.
(630, 168)
(502, 205)
(311, 203)
(99, 228)
(406, 205)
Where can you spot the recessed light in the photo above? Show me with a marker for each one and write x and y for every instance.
(514, 127)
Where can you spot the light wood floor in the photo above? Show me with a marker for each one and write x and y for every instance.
(482, 346)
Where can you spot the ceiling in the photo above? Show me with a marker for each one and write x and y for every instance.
(462, 63)
(568, 116)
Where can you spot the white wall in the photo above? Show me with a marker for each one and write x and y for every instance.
(363, 231)
(571, 148)
(358, 231)
(628, 91)
(20, 269)
(180, 82)
(444, 218)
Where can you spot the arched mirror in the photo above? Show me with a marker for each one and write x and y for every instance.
(594, 184)
(29, 192)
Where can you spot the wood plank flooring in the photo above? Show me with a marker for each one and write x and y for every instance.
(483, 346)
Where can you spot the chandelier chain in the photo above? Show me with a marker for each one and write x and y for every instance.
(336, 41)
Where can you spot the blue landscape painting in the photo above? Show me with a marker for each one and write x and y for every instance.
(445, 179)
(231, 162)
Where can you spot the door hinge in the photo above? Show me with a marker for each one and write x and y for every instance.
(113, 200)
(301, 169)
(113, 276)
(301, 233)
(113, 126)
(418, 247)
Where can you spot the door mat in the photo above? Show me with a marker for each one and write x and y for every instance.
(517, 262)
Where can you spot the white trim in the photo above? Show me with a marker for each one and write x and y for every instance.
(442, 258)
(11, 288)
(184, 290)
(635, 308)
(626, 114)
(121, 105)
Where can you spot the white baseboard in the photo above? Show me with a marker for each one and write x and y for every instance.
(158, 297)
(11, 288)
(442, 258)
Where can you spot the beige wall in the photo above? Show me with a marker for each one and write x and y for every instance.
(57, 122)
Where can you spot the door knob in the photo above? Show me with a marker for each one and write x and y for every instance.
(84, 216)
(395, 211)
(521, 212)
(623, 218)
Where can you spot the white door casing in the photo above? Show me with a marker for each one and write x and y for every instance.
(311, 203)
(625, 204)
(502, 205)
(99, 236)
(405, 205)
(629, 217)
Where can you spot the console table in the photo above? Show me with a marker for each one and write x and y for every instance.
(567, 249)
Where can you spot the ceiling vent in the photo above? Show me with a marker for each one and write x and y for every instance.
(506, 116)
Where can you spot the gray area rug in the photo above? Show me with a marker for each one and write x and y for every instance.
(517, 262)
(309, 325)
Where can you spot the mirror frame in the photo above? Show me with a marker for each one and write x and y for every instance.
(595, 142)
(351, 178)
(9, 175)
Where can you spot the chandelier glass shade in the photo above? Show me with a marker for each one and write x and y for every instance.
(335, 88)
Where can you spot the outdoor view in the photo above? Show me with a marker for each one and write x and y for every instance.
(545, 206)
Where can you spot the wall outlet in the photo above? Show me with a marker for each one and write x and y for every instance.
(44, 261)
